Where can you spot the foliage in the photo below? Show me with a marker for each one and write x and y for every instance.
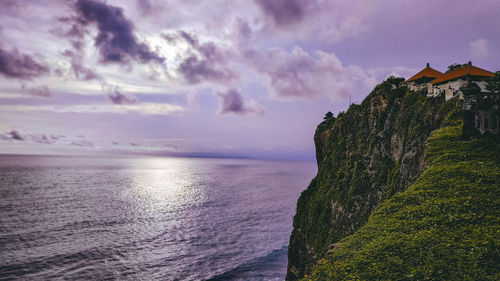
(493, 83)
(455, 66)
(397, 81)
(444, 227)
(365, 156)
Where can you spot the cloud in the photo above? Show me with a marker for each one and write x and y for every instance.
(284, 12)
(9, 6)
(479, 49)
(116, 97)
(143, 108)
(15, 135)
(115, 38)
(84, 143)
(297, 74)
(31, 137)
(41, 138)
(14, 64)
(205, 62)
(78, 69)
(232, 101)
(144, 6)
(40, 91)
(318, 21)
(193, 101)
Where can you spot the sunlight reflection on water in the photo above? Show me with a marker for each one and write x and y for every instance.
(165, 183)
(147, 218)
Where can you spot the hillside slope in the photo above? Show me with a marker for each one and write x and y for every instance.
(365, 156)
(444, 227)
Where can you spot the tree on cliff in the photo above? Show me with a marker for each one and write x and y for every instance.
(455, 66)
(395, 80)
(494, 83)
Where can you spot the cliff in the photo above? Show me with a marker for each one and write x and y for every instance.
(444, 227)
(365, 156)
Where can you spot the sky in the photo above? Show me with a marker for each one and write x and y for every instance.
(225, 78)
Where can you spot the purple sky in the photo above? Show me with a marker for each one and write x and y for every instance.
(214, 77)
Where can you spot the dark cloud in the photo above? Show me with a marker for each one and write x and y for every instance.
(205, 62)
(15, 135)
(82, 72)
(41, 91)
(9, 7)
(115, 38)
(191, 39)
(41, 138)
(284, 12)
(31, 137)
(243, 31)
(79, 70)
(118, 98)
(196, 70)
(75, 34)
(56, 137)
(144, 6)
(169, 37)
(82, 142)
(14, 64)
(232, 101)
(175, 147)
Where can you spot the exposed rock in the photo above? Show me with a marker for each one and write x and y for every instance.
(364, 156)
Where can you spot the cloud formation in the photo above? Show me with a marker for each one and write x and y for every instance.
(14, 64)
(233, 101)
(116, 97)
(297, 74)
(142, 108)
(15, 135)
(479, 49)
(80, 71)
(284, 12)
(82, 142)
(41, 91)
(204, 62)
(30, 137)
(115, 38)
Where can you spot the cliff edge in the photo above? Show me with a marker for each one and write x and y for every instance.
(365, 156)
(444, 227)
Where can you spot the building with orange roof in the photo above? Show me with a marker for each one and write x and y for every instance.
(450, 82)
(422, 79)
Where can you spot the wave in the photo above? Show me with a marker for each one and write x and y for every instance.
(258, 268)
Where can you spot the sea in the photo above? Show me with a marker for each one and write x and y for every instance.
(146, 218)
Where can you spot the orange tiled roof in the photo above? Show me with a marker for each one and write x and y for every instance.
(463, 71)
(426, 72)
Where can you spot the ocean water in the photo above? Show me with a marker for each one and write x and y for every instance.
(146, 218)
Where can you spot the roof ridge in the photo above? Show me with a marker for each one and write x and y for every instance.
(468, 69)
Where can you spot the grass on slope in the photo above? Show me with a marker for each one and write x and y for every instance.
(444, 227)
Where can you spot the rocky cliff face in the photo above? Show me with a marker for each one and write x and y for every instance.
(364, 156)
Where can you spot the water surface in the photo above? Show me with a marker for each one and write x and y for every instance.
(147, 218)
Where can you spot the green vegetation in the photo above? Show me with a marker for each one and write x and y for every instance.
(455, 66)
(365, 156)
(397, 81)
(444, 227)
(493, 84)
